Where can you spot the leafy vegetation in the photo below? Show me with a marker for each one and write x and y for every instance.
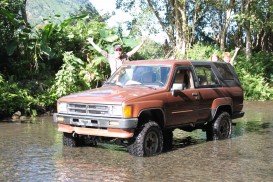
(14, 98)
(256, 76)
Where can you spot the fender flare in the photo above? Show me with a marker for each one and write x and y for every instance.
(148, 106)
(219, 103)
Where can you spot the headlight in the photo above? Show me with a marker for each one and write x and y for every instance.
(121, 111)
(115, 110)
(62, 107)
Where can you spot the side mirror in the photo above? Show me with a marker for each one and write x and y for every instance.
(176, 89)
(175, 92)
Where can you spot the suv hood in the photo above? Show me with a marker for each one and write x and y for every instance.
(110, 94)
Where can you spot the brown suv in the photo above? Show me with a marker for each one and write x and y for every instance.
(144, 101)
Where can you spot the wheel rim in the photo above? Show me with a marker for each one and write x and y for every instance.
(224, 128)
(151, 143)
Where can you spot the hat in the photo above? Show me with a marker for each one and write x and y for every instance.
(118, 48)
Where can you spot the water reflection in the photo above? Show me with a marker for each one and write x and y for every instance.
(258, 119)
(34, 152)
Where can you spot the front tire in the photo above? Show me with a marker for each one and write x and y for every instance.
(148, 141)
(70, 141)
(221, 127)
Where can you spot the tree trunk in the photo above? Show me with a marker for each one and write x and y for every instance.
(166, 29)
(246, 10)
(24, 13)
(265, 36)
(223, 40)
(184, 31)
(248, 43)
(180, 35)
(226, 24)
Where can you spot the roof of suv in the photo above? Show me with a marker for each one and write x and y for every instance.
(159, 62)
(171, 62)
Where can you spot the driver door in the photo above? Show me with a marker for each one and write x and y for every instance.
(183, 99)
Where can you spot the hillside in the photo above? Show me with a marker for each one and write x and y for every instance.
(38, 10)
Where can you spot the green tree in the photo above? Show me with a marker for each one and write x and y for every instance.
(256, 19)
(178, 18)
(187, 22)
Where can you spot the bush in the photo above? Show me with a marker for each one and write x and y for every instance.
(201, 52)
(261, 63)
(255, 86)
(14, 98)
(68, 79)
(255, 76)
(76, 75)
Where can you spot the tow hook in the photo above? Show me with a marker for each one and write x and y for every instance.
(74, 134)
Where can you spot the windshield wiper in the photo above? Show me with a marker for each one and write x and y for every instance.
(141, 84)
(111, 83)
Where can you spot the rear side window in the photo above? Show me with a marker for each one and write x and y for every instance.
(205, 76)
(224, 71)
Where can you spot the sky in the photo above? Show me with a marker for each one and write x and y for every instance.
(104, 5)
(109, 6)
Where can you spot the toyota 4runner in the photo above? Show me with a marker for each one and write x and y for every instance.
(144, 101)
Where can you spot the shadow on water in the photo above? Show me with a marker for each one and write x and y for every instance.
(28, 120)
(184, 142)
(112, 146)
(256, 126)
(252, 126)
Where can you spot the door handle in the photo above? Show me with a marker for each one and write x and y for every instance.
(194, 94)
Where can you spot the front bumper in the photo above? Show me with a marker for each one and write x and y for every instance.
(96, 126)
(98, 122)
(109, 132)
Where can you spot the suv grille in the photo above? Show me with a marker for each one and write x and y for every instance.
(88, 109)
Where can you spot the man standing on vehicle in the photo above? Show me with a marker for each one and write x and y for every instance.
(118, 58)
(227, 57)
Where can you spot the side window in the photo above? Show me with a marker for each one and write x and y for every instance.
(224, 71)
(183, 77)
(205, 76)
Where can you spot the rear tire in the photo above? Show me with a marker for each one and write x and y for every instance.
(148, 141)
(220, 128)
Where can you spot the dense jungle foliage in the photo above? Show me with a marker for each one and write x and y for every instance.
(41, 62)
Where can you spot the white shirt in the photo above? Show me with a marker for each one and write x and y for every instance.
(115, 63)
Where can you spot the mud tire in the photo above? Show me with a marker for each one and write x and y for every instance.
(220, 128)
(70, 141)
(147, 141)
(167, 140)
(89, 141)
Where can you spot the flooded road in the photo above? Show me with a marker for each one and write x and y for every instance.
(34, 152)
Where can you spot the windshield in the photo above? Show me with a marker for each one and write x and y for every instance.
(155, 76)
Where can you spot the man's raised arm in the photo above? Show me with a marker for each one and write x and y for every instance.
(104, 53)
(129, 54)
(234, 56)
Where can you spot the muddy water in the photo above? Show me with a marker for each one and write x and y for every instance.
(34, 152)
